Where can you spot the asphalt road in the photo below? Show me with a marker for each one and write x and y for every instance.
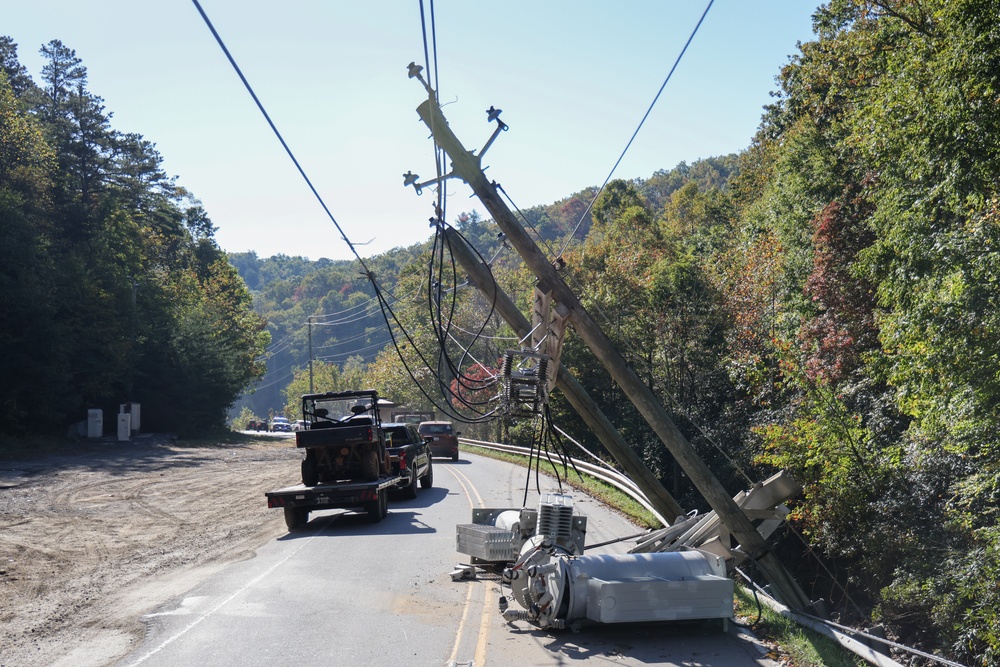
(347, 592)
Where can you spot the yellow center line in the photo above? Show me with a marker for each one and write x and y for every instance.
(470, 490)
(484, 627)
(471, 486)
(484, 619)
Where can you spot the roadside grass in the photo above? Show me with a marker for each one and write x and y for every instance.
(794, 644)
(797, 645)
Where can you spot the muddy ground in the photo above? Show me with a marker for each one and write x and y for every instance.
(94, 536)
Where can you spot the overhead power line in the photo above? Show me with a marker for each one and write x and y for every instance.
(634, 134)
(274, 128)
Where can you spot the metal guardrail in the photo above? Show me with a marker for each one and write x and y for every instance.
(607, 475)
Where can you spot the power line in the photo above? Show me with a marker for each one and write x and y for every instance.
(634, 134)
(281, 139)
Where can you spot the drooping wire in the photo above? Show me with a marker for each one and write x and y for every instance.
(442, 324)
(546, 442)
(277, 134)
(444, 327)
(569, 238)
(446, 408)
(478, 408)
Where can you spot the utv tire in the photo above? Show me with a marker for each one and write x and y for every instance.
(370, 465)
(310, 470)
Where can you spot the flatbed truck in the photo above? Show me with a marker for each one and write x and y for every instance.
(371, 497)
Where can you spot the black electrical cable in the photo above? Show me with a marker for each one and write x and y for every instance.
(641, 123)
(387, 312)
(277, 134)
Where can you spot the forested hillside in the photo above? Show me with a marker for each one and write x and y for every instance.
(112, 287)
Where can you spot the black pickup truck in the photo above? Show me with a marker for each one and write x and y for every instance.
(409, 456)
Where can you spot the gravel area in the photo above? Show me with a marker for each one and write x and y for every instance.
(91, 539)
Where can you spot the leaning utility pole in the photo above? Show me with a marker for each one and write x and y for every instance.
(661, 500)
(467, 166)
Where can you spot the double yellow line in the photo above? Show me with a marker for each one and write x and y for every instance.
(488, 609)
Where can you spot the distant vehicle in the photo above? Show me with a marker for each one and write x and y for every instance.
(299, 425)
(281, 424)
(404, 415)
(257, 425)
(442, 438)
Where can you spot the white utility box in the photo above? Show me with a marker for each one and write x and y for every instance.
(124, 426)
(133, 410)
(95, 423)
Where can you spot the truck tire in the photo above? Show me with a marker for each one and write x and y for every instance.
(428, 479)
(410, 490)
(454, 455)
(369, 465)
(296, 517)
(310, 469)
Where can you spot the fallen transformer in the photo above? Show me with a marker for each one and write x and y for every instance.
(557, 586)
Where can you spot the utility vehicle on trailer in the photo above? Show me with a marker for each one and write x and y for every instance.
(352, 459)
(343, 438)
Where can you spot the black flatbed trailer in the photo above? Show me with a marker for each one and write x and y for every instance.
(299, 500)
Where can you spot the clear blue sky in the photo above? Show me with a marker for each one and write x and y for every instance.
(573, 78)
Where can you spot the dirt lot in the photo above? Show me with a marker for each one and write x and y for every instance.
(94, 537)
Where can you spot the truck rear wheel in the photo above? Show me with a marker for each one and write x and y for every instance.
(296, 517)
(410, 490)
(428, 479)
(369, 465)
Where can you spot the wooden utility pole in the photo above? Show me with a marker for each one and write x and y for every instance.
(658, 497)
(467, 166)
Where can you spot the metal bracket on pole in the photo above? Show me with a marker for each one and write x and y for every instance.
(409, 178)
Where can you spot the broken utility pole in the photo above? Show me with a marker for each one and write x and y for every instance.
(658, 497)
(467, 166)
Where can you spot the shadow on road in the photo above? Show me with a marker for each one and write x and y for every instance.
(348, 523)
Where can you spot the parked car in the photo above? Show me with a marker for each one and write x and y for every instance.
(441, 437)
(299, 425)
(281, 424)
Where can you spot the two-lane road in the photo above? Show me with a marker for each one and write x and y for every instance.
(347, 592)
